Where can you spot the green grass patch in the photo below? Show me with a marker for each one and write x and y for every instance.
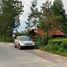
(55, 45)
(58, 46)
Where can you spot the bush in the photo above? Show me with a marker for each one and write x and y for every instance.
(5, 38)
(55, 45)
(64, 45)
(58, 46)
(39, 42)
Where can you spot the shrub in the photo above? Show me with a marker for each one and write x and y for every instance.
(55, 45)
(64, 44)
(58, 46)
(39, 42)
(5, 39)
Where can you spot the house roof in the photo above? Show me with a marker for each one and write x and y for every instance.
(39, 32)
(56, 32)
(51, 32)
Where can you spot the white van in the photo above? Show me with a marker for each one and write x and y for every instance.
(23, 41)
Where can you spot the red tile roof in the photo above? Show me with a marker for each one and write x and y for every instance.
(51, 32)
(56, 32)
(39, 32)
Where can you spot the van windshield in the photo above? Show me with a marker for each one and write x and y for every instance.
(25, 38)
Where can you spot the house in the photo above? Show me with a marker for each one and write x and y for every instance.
(53, 33)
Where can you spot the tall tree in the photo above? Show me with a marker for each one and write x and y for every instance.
(58, 9)
(10, 11)
(49, 19)
(33, 16)
(64, 25)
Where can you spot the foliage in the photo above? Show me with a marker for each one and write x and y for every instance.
(49, 19)
(39, 42)
(64, 25)
(10, 11)
(33, 17)
(58, 9)
(6, 38)
(57, 45)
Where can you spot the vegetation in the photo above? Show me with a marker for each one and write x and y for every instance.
(10, 11)
(33, 17)
(58, 9)
(55, 45)
(51, 17)
(47, 19)
(39, 42)
(58, 45)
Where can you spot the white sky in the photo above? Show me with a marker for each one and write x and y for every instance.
(27, 4)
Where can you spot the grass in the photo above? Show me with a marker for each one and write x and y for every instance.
(55, 45)
(58, 46)
(58, 39)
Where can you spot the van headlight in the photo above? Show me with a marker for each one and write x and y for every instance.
(21, 43)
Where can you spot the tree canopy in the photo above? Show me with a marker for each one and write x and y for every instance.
(51, 17)
(58, 9)
(33, 17)
(10, 11)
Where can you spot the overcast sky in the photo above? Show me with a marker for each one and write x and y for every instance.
(27, 4)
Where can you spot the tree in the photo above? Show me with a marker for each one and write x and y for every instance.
(64, 25)
(33, 16)
(9, 17)
(49, 19)
(58, 9)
